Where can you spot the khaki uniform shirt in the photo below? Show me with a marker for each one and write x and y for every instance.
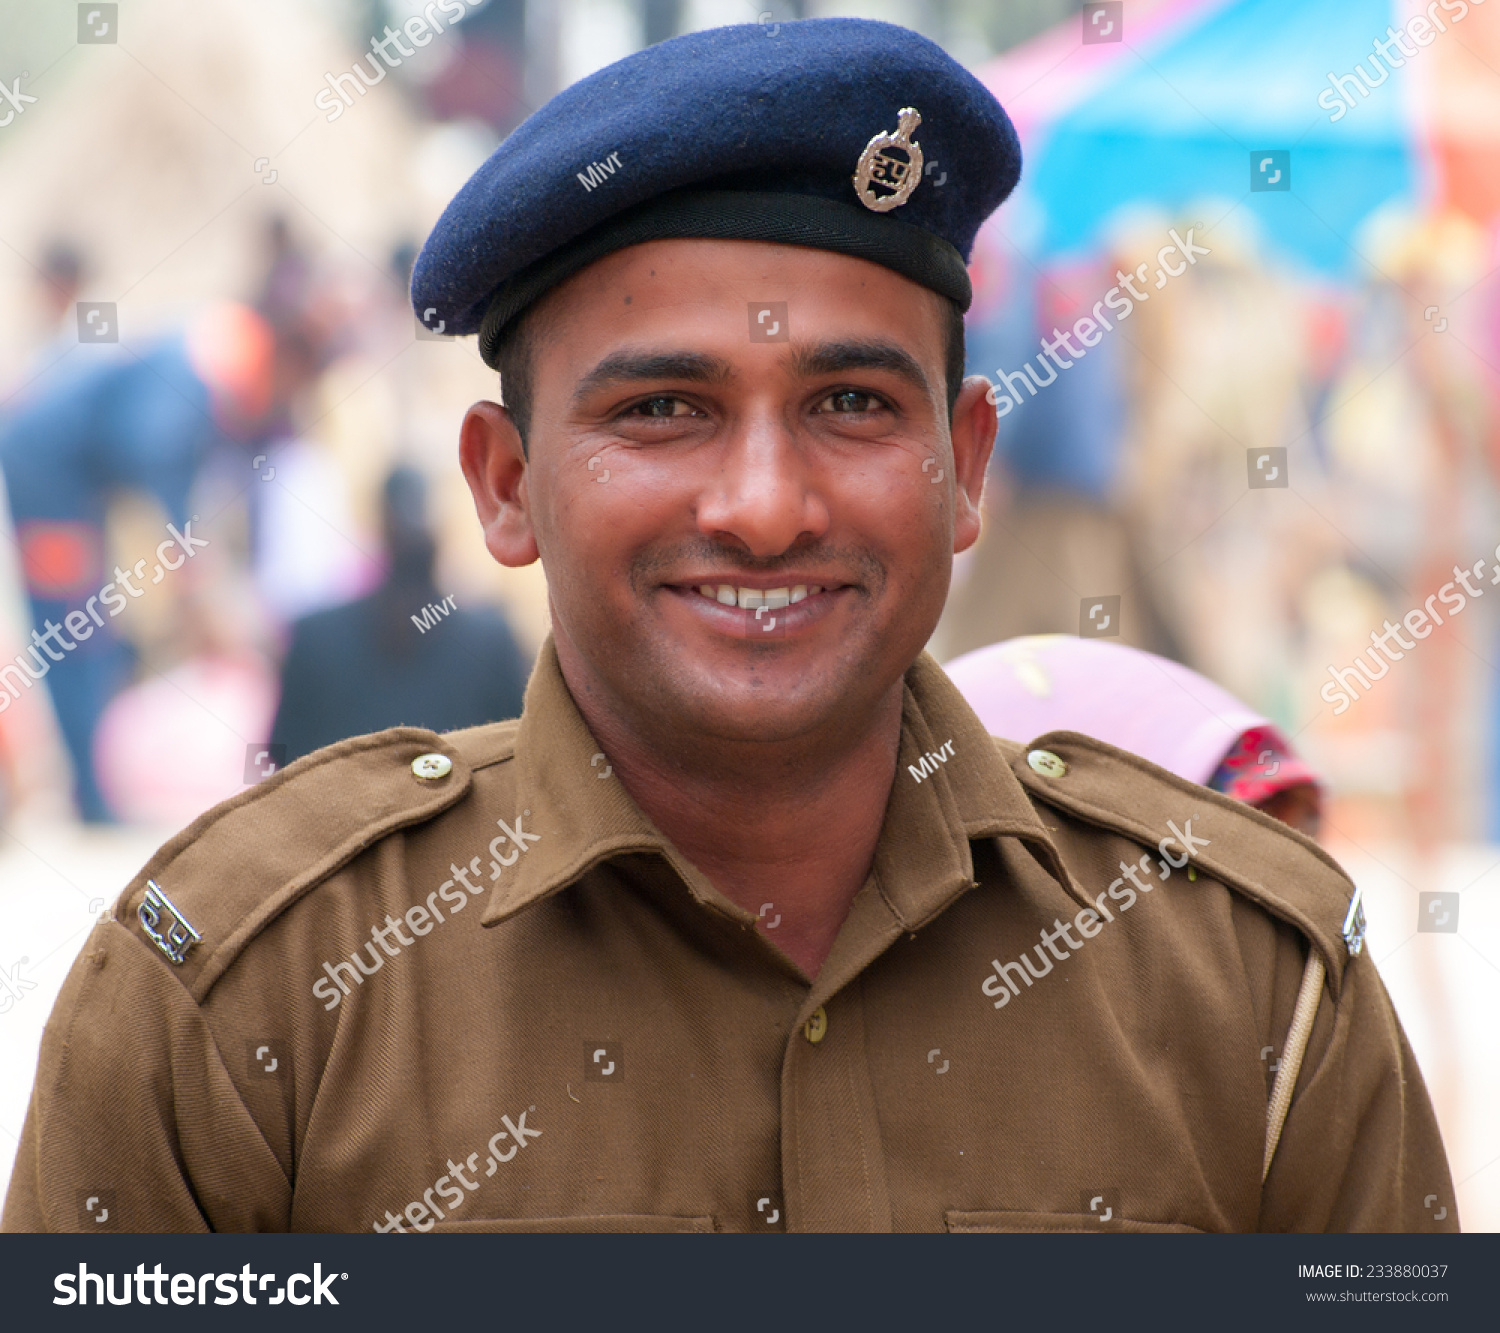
(496, 998)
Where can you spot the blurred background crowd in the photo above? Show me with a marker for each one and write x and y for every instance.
(228, 448)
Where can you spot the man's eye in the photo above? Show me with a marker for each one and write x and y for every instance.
(660, 407)
(850, 400)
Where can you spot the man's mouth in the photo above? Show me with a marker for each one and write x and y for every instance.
(787, 610)
(750, 599)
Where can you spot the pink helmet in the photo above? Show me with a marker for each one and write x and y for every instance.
(1159, 709)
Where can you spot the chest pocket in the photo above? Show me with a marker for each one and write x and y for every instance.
(616, 1222)
(960, 1221)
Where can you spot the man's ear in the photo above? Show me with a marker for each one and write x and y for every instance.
(494, 464)
(973, 435)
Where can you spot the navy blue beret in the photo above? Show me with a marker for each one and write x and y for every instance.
(738, 133)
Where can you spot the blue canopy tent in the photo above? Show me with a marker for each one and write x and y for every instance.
(1176, 120)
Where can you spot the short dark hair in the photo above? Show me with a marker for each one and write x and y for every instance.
(513, 357)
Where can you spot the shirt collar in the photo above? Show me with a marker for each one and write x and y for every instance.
(952, 784)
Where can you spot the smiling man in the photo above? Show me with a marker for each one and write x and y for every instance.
(744, 548)
(747, 924)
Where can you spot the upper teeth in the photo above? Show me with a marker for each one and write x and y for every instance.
(752, 598)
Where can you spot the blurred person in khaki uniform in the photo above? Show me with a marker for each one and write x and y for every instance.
(737, 927)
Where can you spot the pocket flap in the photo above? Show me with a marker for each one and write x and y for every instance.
(1004, 1220)
(624, 1222)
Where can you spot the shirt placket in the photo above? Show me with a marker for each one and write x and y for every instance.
(833, 1161)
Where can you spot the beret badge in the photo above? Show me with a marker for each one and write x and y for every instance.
(890, 168)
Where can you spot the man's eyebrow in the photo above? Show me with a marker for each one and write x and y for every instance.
(833, 358)
(626, 367)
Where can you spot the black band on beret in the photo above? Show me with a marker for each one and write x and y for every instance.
(740, 215)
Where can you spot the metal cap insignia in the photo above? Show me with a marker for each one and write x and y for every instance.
(890, 168)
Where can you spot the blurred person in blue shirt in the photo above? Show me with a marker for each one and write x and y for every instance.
(86, 430)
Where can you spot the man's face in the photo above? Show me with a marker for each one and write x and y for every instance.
(747, 519)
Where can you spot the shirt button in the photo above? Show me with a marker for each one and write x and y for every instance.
(432, 766)
(1046, 763)
(816, 1027)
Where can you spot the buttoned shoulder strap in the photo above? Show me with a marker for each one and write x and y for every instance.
(216, 885)
(1285, 873)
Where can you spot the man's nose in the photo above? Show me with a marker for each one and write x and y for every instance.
(766, 493)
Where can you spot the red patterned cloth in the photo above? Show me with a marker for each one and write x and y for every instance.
(1260, 764)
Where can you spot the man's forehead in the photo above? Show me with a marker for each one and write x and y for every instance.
(665, 296)
(656, 269)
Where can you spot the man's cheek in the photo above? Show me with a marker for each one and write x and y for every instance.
(607, 477)
(914, 520)
(919, 542)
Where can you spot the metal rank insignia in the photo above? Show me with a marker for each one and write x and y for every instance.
(177, 937)
(1354, 923)
(890, 168)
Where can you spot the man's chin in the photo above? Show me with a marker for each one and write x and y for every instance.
(768, 691)
(754, 716)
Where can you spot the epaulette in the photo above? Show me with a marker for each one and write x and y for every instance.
(1281, 870)
(216, 885)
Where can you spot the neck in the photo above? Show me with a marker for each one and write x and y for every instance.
(793, 824)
